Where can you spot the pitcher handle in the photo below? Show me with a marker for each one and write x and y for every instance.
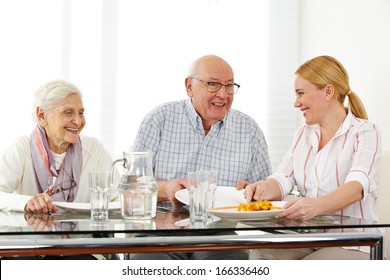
(114, 165)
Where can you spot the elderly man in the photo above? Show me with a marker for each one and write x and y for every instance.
(203, 132)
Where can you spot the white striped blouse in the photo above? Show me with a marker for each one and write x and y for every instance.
(351, 155)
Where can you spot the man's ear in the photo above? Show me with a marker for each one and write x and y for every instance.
(41, 116)
(329, 92)
(188, 83)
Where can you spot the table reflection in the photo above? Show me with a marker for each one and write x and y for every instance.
(172, 230)
(165, 220)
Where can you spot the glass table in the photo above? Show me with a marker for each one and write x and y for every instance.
(69, 233)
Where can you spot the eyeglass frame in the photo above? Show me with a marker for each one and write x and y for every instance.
(53, 188)
(220, 85)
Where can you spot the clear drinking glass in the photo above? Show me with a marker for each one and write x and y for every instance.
(201, 188)
(99, 186)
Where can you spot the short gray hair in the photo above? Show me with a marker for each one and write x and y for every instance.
(50, 94)
(193, 68)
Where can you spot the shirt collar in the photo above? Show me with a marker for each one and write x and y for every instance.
(344, 127)
(196, 120)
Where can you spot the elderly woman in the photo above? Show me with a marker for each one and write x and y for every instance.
(51, 164)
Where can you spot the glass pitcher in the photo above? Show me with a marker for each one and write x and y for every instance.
(137, 188)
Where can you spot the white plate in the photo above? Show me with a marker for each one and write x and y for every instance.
(183, 223)
(83, 207)
(223, 196)
(233, 214)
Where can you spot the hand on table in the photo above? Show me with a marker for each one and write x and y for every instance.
(171, 187)
(39, 222)
(40, 203)
(302, 208)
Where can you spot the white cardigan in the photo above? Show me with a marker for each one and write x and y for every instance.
(17, 178)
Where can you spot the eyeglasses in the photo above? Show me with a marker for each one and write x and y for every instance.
(59, 187)
(215, 86)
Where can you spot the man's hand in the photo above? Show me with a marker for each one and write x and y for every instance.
(241, 185)
(167, 190)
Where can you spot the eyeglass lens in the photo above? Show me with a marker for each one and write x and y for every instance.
(215, 86)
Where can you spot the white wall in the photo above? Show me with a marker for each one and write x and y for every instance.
(356, 32)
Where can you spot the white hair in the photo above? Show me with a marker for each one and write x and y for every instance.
(193, 68)
(50, 94)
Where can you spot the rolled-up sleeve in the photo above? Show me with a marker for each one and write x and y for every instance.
(365, 163)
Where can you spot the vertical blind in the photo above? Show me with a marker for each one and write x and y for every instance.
(129, 56)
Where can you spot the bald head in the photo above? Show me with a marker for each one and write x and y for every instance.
(205, 62)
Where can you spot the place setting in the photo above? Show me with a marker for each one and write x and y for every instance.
(84, 207)
(208, 203)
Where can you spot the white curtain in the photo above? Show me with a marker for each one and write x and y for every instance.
(129, 56)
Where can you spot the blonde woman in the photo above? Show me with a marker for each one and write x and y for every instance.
(333, 159)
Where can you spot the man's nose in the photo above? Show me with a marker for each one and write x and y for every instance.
(222, 92)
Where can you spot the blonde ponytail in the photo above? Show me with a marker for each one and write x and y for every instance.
(356, 105)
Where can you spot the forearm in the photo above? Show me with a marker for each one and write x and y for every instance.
(344, 196)
(13, 201)
(275, 191)
(162, 194)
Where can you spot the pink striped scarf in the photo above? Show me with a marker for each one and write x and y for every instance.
(63, 184)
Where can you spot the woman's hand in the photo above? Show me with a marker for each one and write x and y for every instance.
(302, 208)
(255, 191)
(40, 204)
(262, 190)
(305, 208)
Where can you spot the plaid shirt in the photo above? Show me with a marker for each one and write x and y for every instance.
(235, 146)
